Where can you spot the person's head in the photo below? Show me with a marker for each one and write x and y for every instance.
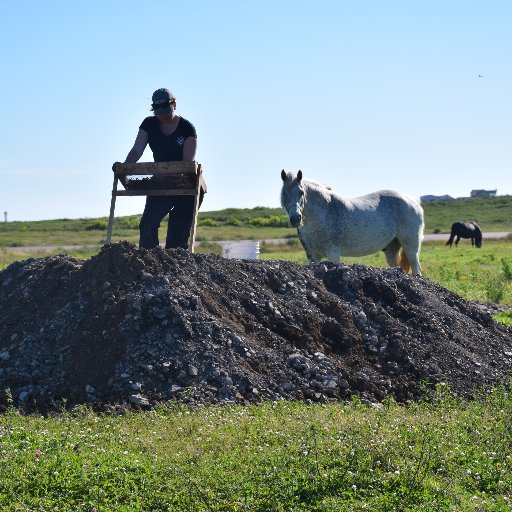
(163, 103)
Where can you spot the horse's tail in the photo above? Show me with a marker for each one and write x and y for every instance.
(403, 261)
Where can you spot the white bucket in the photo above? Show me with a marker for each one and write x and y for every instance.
(243, 250)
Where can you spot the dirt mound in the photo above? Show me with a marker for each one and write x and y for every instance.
(138, 326)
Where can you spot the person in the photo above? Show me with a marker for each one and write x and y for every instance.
(171, 138)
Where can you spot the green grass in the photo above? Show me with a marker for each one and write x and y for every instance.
(476, 274)
(504, 317)
(493, 214)
(445, 454)
(8, 256)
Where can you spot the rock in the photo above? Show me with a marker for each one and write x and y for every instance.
(139, 400)
(344, 384)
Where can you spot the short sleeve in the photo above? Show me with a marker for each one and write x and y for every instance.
(190, 130)
(146, 124)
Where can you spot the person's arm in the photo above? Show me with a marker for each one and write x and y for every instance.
(138, 147)
(136, 152)
(189, 149)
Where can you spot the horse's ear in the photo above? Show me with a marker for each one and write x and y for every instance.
(283, 175)
(299, 176)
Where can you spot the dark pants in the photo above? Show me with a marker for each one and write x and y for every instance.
(181, 215)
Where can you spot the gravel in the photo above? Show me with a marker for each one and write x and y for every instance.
(133, 327)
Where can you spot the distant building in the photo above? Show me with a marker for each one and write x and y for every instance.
(483, 193)
(430, 198)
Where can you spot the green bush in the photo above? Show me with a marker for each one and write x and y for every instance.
(208, 222)
(97, 224)
(274, 221)
(495, 290)
(507, 269)
(233, 221)
(128, 222)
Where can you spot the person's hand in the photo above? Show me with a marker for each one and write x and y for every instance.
(114, 166)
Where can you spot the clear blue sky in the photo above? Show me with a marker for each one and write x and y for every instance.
(359, 94)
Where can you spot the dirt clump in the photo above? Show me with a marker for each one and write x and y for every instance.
(136, 326)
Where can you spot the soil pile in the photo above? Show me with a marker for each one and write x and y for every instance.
(140, 326)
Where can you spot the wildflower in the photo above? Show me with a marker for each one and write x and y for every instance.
(38, 453)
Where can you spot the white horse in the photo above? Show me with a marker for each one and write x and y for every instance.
(330, 225)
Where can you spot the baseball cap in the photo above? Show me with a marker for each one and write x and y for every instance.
(161, 101)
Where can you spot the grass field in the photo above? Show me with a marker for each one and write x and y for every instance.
(444, 455)
(260, 223)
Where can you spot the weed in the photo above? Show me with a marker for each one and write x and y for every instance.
(494, 289)
(504, 317)
(507, 269)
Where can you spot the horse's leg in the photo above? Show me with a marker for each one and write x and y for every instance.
(414, 261)
(411, 249)
(309, 254)
(472, 241)
(457, 240)
(391, 252)
(450, 240)
(415, 264)
(333, 254)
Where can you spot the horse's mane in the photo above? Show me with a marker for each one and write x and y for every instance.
(309, 186)
(316, 186)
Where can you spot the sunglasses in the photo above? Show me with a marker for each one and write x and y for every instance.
(158, 106)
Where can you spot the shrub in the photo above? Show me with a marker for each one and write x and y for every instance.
(507, 269)
(98, 224)
(275, 221)
(233, 221)
(208, 222)
(128, 222)
(505, 317)
(495, 290)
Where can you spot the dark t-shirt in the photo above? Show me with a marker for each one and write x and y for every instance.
(167, 148)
